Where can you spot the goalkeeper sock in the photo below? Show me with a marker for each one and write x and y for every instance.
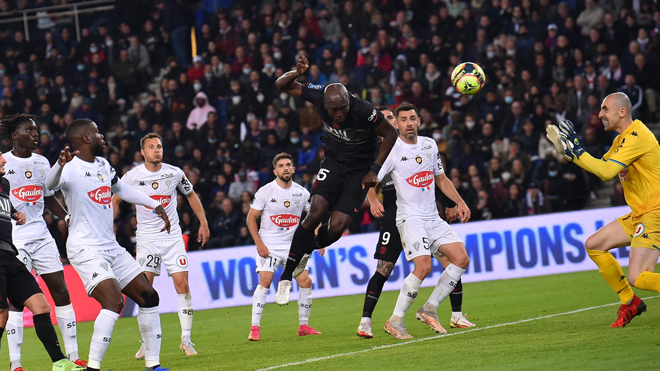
(408, 293)
(611, 271)
(648, 281)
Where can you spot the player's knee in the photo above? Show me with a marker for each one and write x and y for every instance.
(590, 243)
(462, 261)
(335, 230)
(150, 299)
(265, 282)
(423, 270)
(40, 307)
(115, 304)
(60, 296)
(305, 281)
(385, 269)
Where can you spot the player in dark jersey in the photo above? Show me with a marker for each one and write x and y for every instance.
(389, 248)
(352, 126)
(19, 286)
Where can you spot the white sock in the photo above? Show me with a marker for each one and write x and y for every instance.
(103, 326)
(456, 315)
(304, 305)
(66, 320)
(149, 322)
(407, 295)
(258, 304)
(445, 286)
(185, 316)
(14, 332)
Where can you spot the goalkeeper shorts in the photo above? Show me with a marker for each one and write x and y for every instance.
(643, 231)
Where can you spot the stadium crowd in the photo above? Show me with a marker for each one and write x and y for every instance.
(223, 120)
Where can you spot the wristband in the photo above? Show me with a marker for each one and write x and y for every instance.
(375, 168)
(67, 219)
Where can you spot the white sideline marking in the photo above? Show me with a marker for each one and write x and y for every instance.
(316, 359)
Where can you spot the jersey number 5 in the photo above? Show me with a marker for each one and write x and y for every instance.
(323, 173)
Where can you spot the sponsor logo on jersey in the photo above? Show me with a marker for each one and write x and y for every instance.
(29, 194)
(287, 203)
(88, 175)
(272, 200)
(28, 174)
(315, 87)
(164, 200)
(634, 134)
(623, 174)
(422, 180)
(154, 185)
(102, 196)
(11, 172)
(404, 158)
(285, 221)
(639, 230)
(142, 184)
(373, 116)
(182, 261)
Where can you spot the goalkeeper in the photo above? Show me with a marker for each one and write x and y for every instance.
(635, 157)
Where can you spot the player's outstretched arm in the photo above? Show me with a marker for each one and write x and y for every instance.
(54, 177)
(447, 187)
(251, 222)
(605, 170)
(198, 209)
(132, 195)
(287, 83)
(387, 131)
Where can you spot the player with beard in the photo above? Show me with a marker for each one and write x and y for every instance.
(26, 172)
(280, 205)
(106, 269)
(349, 169)
(19, 287)
(389, 248)
(415, 167)
(155, 247)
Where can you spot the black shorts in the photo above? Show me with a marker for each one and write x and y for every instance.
(341, 185)
(389, 245)
(16, 283)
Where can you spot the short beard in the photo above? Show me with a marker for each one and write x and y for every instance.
(285, 180)
(98, 150)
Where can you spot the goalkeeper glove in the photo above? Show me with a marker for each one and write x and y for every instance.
(567, 130)
(559, 141)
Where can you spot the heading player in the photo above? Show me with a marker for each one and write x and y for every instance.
(155, 247)
(26, 172)
(389, 248)
(18, 285)
(106, 269)
(280, 205)
(415, 167)
(635, 157)
(352, 126)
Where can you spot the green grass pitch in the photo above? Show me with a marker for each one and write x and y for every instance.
(575, 341)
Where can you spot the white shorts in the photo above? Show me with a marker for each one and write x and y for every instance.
(41, 255)
(95, 265)
(424, 236)
(278, 257)
(171, 253)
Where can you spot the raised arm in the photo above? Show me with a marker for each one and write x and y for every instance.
(287, 83)
(54, 177)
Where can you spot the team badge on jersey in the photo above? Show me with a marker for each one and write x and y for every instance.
(422, 180)
(29, 194)
(28, 174)
(154, 185)
(287, 203)
(100, 176)
(418, 159)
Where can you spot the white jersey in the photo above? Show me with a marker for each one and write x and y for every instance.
(281, 211)
(161, 186)
(27, 178)
(413, 168)
(87, 190)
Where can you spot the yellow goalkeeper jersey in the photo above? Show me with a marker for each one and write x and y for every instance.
(638, 151)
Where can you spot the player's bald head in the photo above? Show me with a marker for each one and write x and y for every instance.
(337, 94)
(618, 100)
(77, 129)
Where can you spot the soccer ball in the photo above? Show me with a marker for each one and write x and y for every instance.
(468, 78)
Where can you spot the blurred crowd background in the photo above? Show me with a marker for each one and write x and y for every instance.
(201, 74)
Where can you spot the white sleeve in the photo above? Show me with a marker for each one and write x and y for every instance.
(54, 179)
(259, 200)
(388, 166)
(184, 184)
(132, 195)
(437, 168)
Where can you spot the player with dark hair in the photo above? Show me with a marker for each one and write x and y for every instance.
(106, 269)
(389, 248)
(26, 172)
(349, 169)
(18, 285)
(280, 205)
(154, 247)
